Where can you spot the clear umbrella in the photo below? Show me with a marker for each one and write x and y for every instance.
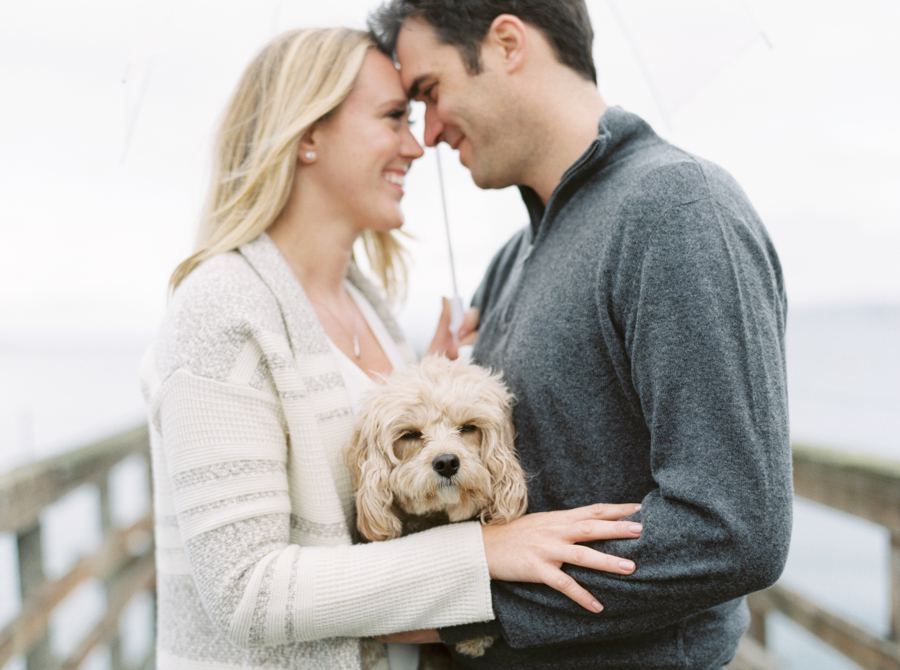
(681, 46)
(697, 69)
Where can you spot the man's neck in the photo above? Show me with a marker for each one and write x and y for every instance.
(570, 126)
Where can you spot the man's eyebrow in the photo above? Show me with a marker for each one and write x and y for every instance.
(415, 86)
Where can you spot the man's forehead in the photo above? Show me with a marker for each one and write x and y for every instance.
(416, 28)
(419, 52)
(415, 40)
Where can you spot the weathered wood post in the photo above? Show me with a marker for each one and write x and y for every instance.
(31, 578)
(757, 628)
(895, 586)
(107, 527)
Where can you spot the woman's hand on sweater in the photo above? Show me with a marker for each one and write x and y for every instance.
(534, 547)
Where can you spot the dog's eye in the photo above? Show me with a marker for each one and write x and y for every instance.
(467, 428)
(411, 435)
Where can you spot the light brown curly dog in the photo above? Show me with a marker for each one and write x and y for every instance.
(434, 445)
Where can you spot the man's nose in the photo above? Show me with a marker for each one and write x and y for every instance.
(434, 128)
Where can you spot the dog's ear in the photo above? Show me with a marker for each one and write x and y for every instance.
(509, 493)
(370, 465)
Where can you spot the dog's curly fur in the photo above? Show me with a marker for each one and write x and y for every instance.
(438, 408)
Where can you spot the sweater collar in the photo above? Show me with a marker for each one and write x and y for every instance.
(299, 316)
(264, 257)
(617, 129)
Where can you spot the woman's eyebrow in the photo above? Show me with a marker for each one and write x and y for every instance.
(396, 102)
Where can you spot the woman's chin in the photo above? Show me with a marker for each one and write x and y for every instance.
(391, 221)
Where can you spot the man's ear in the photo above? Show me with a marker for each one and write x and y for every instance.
(507, 40)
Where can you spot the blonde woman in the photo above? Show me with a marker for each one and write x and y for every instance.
(271, 336)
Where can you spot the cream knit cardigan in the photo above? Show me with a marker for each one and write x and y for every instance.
(253, 504)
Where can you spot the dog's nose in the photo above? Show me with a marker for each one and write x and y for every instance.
(446, 465)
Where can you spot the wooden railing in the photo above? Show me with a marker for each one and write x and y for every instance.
(866, 487)
(863, 486)
(124, 560)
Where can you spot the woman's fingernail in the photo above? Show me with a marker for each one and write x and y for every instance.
(626, 565)
(637, 508)
(597, 607)
(636, 528)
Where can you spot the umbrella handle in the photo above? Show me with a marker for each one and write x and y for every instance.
(464, 354)
(457, 315)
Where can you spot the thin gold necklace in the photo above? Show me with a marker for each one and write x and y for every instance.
(352, 335)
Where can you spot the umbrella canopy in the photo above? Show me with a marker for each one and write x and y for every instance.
(808, 127)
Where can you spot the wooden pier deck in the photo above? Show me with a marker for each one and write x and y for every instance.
(866, 487)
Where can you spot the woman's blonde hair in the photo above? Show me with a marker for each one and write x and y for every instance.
(297, 79)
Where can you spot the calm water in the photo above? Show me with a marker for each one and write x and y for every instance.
(844, 378)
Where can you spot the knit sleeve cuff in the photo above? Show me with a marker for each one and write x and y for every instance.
(432, 579)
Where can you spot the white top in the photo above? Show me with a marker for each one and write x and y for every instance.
(358, 384)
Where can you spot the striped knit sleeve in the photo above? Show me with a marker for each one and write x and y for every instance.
(226, 452)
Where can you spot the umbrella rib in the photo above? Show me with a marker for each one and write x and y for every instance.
(131, 120)
(756, 24)
(648, 77)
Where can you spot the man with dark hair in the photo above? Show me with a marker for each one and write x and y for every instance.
(639, 320)
(564, 23)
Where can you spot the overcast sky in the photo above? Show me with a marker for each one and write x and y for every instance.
(109, 106)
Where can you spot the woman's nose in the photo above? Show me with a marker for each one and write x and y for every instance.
(410, 147)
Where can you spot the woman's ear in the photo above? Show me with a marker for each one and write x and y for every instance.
(309, 145)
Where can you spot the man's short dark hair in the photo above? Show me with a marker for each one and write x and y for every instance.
(465, 23)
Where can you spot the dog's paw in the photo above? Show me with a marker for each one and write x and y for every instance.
(371, 652)
(476, 646)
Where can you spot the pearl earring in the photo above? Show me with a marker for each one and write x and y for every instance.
(310, 155)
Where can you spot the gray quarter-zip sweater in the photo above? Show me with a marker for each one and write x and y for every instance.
(639, 320)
